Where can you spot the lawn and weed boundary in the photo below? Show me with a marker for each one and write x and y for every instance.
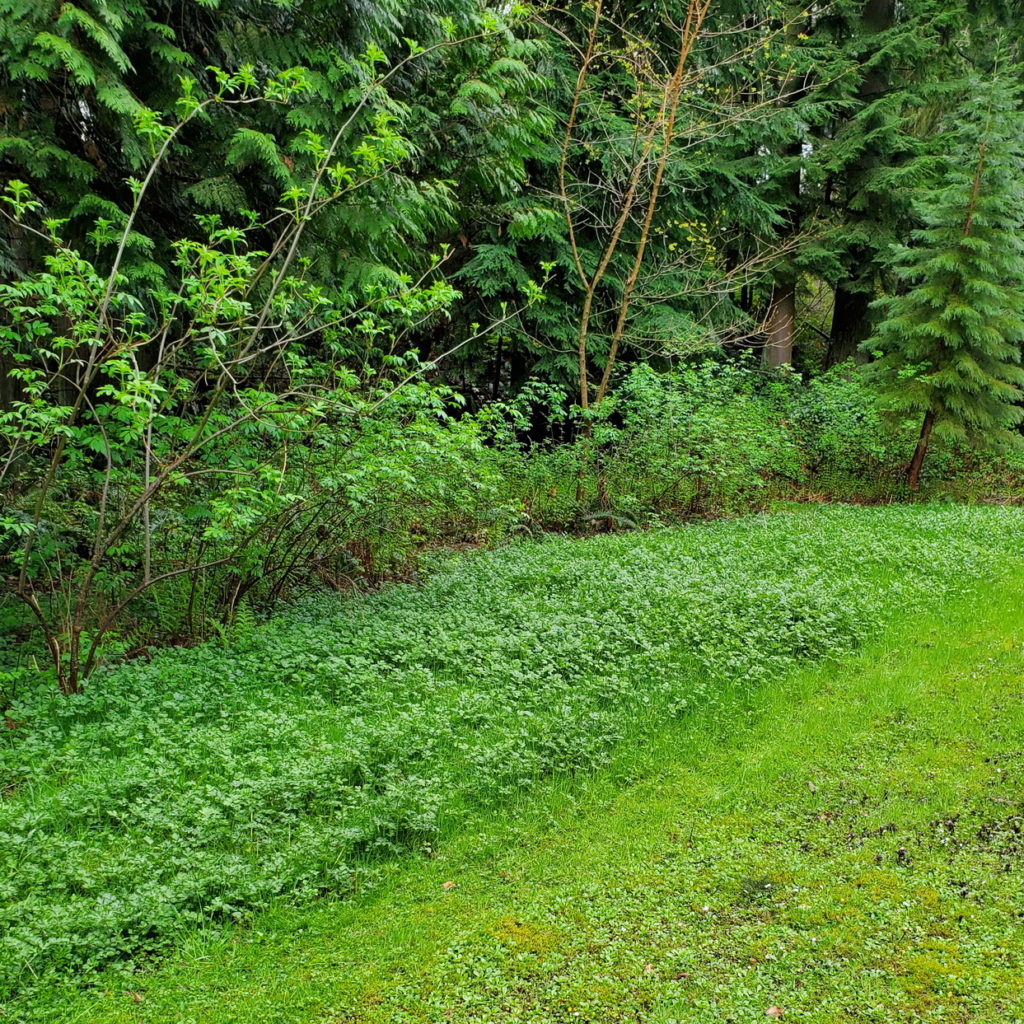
(849, 571)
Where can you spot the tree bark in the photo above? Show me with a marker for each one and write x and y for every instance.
(849, 325)
(778, 349)
(499, 361)
(914, 477)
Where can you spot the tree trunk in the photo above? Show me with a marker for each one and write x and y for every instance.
(849, 325)
(914, 477)
(778, 350)
(781, 319)
(499, 361)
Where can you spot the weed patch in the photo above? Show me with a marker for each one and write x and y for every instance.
(290, 764)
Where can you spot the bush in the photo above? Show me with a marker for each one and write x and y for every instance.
(710, 438)
(359, 499)
(716, 431)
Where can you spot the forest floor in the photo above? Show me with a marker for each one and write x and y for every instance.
(846, 844)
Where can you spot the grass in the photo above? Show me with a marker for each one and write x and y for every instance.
(566, 664)
(846, 847)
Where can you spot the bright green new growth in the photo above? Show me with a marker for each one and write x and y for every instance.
(187, 792)
(950, 343)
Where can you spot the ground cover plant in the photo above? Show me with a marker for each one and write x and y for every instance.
(842, 845)
(296, 759)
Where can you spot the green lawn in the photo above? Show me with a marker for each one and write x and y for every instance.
(843, 843)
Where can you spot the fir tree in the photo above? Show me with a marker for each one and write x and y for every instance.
(949, 344)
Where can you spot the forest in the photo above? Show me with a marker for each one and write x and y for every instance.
(423, 424)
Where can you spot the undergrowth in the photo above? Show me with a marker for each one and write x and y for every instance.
(289, 760)
(371, 503)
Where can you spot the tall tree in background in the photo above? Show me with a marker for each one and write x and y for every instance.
(870, 138)
(666, 195)
(75, 78)
(903, 61)
(950, 345)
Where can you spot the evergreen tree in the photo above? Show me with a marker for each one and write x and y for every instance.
(74, 77)
(873, 156)
(950, 340)
(905, 59)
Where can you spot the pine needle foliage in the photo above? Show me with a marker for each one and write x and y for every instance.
(949, 345)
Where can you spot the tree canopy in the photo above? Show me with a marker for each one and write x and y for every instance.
(273, 271)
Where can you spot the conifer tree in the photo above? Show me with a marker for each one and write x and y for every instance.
(949, 345)
(871, 160)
